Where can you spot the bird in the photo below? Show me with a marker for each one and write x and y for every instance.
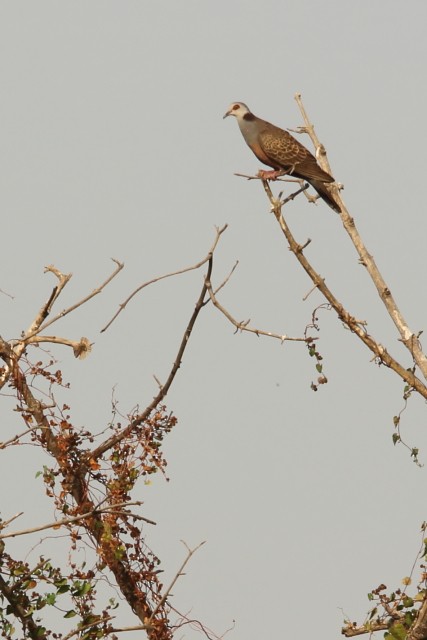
(280, 150)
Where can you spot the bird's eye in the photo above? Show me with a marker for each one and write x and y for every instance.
(236, 107)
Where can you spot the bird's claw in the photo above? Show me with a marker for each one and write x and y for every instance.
(270, 175)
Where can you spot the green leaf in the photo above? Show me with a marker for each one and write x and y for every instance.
(81, 588)
(63, 589)
(60, 583)
(70, 614)
(409, 618)
(398, 631)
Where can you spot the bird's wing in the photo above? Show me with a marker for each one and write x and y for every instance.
(281, 147)
(285, 150)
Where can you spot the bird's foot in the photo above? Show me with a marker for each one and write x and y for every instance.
(270, 175)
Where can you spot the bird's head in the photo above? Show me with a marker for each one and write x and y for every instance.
(237, 109)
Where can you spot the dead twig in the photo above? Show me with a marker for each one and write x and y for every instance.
(122, 306)
(243, 325)
(178, 574)
(142, 417)
(65, 521)
(81, 348)
(6, 443)
(92, 625)
(350, 630)
(95, 292)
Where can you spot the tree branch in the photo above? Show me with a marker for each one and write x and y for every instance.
(21, 608)
(418, 630)
(122, 306)
(65, 521)
(95, 292)
(407, 336)
(350, 630)
(350, 321)
(244, 325)
(142, 417)
(178, 574)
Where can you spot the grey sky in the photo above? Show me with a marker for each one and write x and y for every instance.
(113, 144)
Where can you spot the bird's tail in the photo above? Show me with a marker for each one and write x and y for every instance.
(326, 195)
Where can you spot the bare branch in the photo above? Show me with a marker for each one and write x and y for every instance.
(65, 521)
(140, 419)
(93, 625)
(309, 128)
(350, 321)
(122, 306)
(9, 295)
(95, 292)
(138, 627)
(6, 523)
(46, 309)
(224, 282)
(243, 325)
(408, 337)
(418, 630)
(178, 574)
(351, 630)
(6, 443)
(81, 348)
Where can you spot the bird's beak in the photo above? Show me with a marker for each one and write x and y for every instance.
(226, 114)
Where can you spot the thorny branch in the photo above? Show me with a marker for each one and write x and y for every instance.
(244, 325)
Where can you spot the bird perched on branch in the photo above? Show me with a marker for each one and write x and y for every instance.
(281, 151)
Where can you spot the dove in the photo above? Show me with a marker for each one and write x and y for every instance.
(278, 149)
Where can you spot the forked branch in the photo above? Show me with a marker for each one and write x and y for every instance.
(123, 305)
(348, 319)
(243, 325)
(407, 336)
